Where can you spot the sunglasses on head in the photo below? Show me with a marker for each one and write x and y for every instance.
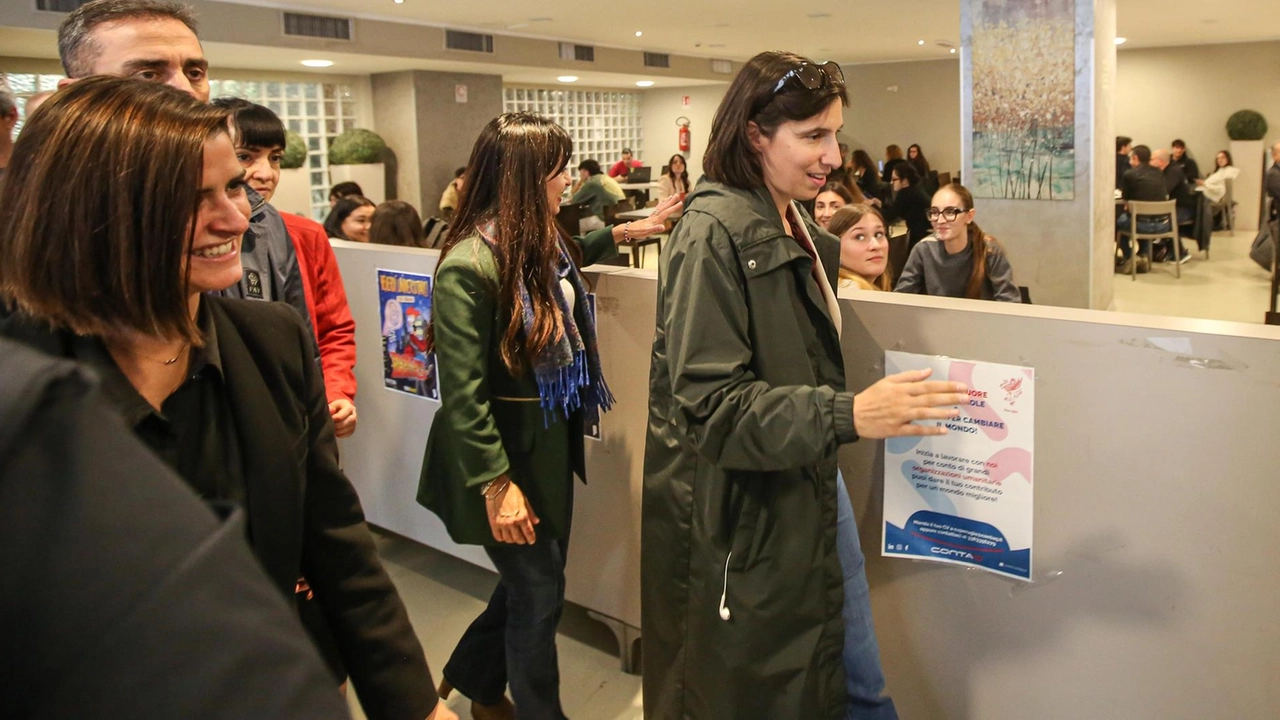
(811, 77)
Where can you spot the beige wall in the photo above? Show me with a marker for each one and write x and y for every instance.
(924, 109)
(659, 110)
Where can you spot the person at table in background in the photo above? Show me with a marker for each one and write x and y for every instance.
(915, 156)
(598, 191)
(350, 218)
(516, 347)
(908, 203)
(1178, 190)
(625, 165)
(831, 198)
(1144, 183)
(754, 598)
(259, 138)
(226, 391)
(155, 41)
(675, 181)
(892, 158)
(867, 175)
(344, 189)
(1272, 183)
(841, 173)
(1215, 186)
(1124, 148)
(864, 248)
(1183, 161)
(8, 120)
(959, 259)
(449, 199)
(396, 222)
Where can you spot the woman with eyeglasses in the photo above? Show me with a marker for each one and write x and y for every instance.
(753, 594)
(959, 259)
(864, 248)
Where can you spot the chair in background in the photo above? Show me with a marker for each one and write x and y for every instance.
(1226, 206)
(570, 217)
(1152, 211)
(944, 179)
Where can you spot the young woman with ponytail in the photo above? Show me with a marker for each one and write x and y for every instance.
(959, 259)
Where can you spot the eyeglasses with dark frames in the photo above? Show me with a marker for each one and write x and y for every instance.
(812, 77)
(947, 214)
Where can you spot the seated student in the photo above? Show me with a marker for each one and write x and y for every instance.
(908, 203)
(1178, 190)
(928, 179)
(675, 181)
(864, 248)
(1190, 169)
(624, 166)
(1124, 146)
(449, 200)
(343, 189)
(228, 393)
(350, 218)
(396, 222)
(259, 138)
(832, 197)
(868, 177)
(1145, 183)
(598, 191)
(1215, 186)
(959, 259)
(892, 159)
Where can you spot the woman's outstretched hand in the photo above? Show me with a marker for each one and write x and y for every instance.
(651, 225)
(889, 407)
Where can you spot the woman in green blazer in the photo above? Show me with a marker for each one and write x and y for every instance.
(515, 342)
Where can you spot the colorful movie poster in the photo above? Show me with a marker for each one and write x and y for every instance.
(966, 497)
(407, 367)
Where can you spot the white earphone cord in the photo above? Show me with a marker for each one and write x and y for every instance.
(724, 592)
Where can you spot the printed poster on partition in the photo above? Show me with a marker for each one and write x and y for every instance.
(966, 497)
(405, 302)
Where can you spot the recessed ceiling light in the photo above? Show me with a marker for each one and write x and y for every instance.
(919, 42)
(318, 63)
(568, 78)
(644, 83)
(953, 51)
(1121, 41)
(639, 33)
(399, 2)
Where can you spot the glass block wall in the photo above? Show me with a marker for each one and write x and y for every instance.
(601, 122)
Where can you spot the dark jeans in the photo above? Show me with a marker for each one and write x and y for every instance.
(864, 680)
(1146, 226)
(514, 640)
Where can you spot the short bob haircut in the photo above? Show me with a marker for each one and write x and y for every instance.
(256, 126)
(97, 211)
(730, 158)
(341, 210)
(396, 222)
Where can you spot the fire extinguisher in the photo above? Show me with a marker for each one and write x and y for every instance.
(683, 122)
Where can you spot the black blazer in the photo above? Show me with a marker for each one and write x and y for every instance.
(305, 518)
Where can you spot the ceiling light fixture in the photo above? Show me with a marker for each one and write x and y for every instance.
(919, 42)
(644, 83)
(953, 51)
(399, 2)
(568, 78)
(1121, 41)
(318, 63)
(639, 33)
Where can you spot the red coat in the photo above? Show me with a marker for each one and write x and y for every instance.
(327, 303)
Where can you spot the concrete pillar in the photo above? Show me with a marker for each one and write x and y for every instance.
(430, 121)
(1037, 140)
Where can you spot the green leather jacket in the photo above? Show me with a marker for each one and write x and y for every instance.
(489, 421)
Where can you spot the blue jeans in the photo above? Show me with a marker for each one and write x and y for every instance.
(1146, 226)
(514, 640)
(864, 680)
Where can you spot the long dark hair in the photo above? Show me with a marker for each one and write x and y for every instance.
(341, 210)
(396, 222)
(683, 177)
(97, 210)
(862, 161)
(730, 158)
(507, 185)
(978, 240)
(919, 162)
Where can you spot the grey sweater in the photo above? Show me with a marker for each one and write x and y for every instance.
(931, 270)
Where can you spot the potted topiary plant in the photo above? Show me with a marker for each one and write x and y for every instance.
(1247, 130)
(293, 194)
(356, 156)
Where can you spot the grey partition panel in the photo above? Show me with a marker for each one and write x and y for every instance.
(384, 456)
(1156, 542)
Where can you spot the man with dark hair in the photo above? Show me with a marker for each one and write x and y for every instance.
(598, 191)
(1181, 160)
(155, 40)
(1124, 146)
(1144, 183)
(8, 119)
(344, 189)
(624, 166)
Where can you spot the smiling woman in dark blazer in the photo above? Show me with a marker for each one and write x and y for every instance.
(150, 208)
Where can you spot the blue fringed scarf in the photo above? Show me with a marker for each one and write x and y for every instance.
(567, 370)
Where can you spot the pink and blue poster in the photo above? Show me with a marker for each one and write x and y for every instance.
(966, 497)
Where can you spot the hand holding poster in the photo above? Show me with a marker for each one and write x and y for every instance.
(966, 497)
